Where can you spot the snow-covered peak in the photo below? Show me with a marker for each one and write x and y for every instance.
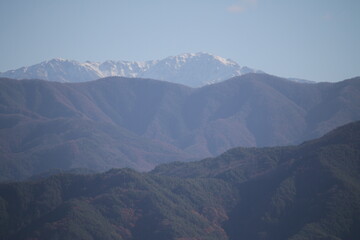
(192, 69)
(201, 56)
(225, 61)
(58, 60)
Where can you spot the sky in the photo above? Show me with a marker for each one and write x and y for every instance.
(316, 40)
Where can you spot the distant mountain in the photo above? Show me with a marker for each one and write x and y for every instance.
(191, 69)
(299, 80)
(47, 125)
(140, 123)
(310, 191)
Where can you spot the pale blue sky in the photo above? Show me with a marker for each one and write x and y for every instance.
(312, 39)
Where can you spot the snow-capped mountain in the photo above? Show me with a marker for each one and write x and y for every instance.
(195, 69)
(192, 69)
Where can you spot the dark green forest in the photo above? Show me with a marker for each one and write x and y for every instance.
(308, 191)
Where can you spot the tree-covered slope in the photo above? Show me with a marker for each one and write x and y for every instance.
(140, 123)
(309, 191)
(47, 125)
(119, 204)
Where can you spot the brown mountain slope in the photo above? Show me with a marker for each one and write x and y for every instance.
(178, 122)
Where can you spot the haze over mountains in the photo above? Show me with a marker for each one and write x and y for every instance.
(140, 123)
(259, 189)
(190, 69)
(309, 191)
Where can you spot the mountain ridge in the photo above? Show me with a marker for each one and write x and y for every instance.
(191, 69)
(140, 123)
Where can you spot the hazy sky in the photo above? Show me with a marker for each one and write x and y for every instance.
(311, 39)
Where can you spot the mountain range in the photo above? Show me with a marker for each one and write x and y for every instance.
(310, 191)
(141, 123)
(191, 69)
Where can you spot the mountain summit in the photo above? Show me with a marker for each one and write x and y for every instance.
(191, 69)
